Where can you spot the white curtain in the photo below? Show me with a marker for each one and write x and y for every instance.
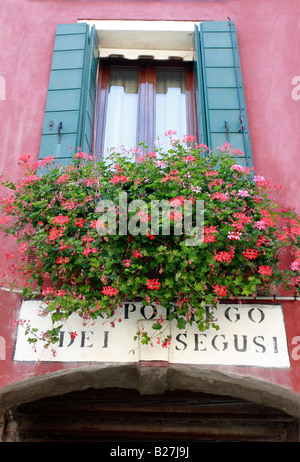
(170, 103)
(121, 116)
(122, 107)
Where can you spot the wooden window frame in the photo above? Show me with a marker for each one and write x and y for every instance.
(146, 97)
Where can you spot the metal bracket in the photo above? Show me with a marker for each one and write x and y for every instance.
(227, 130)
(60, 125)
(242, 124)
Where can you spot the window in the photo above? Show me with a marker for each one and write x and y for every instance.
(82, 96)
(139, 100)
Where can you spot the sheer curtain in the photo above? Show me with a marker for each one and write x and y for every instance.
(122, 106)
(170, 103)
(122, 103)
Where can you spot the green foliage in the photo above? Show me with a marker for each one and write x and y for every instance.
(93, 267)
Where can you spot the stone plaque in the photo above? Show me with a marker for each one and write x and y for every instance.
(248, 335)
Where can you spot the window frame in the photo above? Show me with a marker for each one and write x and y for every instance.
(146, 96)
(212, 46)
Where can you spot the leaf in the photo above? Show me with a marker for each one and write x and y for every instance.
(156, 326)
(181, 323)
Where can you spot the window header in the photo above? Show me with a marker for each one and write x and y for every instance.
(131, 39)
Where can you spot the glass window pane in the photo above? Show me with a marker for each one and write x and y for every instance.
(170, 102)
(121, 116)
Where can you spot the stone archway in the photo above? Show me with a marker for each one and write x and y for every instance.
(151, 378)
(158, 382)
(124, 415)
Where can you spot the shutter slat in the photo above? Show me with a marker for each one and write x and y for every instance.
(200, 97)
(223, 97)
(90, 94)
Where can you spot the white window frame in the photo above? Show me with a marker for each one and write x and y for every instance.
(132, 39)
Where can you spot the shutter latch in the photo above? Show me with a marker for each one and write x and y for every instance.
(242, 125)
(227, 130)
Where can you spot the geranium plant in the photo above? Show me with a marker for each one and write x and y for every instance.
(99, 240)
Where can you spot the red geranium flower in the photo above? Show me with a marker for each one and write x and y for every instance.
(153, 284)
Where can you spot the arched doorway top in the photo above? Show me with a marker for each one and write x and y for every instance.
(151, 378)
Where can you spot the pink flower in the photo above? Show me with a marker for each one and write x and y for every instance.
(242, 217)
(170, 176)
(150, 236)
(243, 193)
(60, 219)
(171, 132)
(190, 158)
(55, 233)
(62, 260)
(47, 160)
(20, 322)
(24, 158)
(225, 147)
(47, 291)
(94, 224)
(166, 342)
(251, 254)
(262, 240)
(28, 179)
(126, 262)
(137, 254)
(234, 235)
(209, 234)
(119, 179)
(143, 216)
(175, 216)
(153, 284)
(188, 139)
(260, 224)
(240, 168)
(160, 163)
(211, 173)
(89, 250)
(223, 197)
(63, 179)
(295, 266)
(265, 270)
(110, 291)
(202, 146)
(175, 202)
(224, 256)
(261, 181)
(152, 154)
(69, 205)
(237, 152)
(83, 155)
(80, 222)
(220, 290)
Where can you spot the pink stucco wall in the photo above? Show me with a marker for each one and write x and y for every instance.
(268, 34)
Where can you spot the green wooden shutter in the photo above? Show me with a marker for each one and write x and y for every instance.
(202, 128)
(90, 94)
(220, 88)
(65, 97)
